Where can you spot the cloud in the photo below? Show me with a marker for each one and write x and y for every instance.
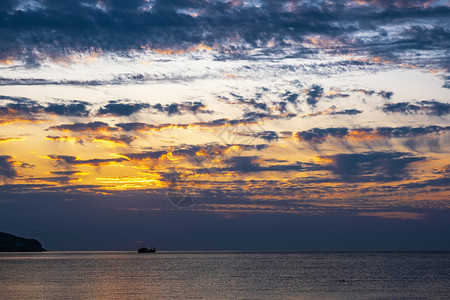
(96, 126)
(118, 79)
(121, 140)
(73, 160)
(7, 171)
(112, 140)
(254, 117)
(432, 108)
(10, 139)
(320, 135)
(74, 109)
(122, 109)
(372, 166)
(180, 108)
(20, 111)
(197, 154)
(442, 182)
(315, 92)
(224, 122)
(350, 112)
(403, 215)
(251, 164)
(290, 97)
(384, 94)
(332, 111)
(142, 127)
(265, 135)
(244, 164)
(54, 179)
(65, 173)
(426, 37)
(255, 102)
(232, 28)
(183, 151)
(26, 109)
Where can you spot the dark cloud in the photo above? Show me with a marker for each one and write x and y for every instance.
(185, 151)
(265, 135)
(407, 131)
(74, 109)
(73, 160)
(117, 80)
(433, 108)
(121, 26)
(254, 102)
(197, 154)
(181, 108)
(384, 94)
(54, 179)
(317, 135)
(244, 164)
(65, 173)
(26, 108)
(7, 170)
(347, 112)
(118, 140)
(395, 3)
(224, 122)
(443, 182)
(84, 127)
(121, 139)
(114, 108)
(8, 5)
(137, 126)
(253, 116)
(172, 109)
(332, 111)
(446, 82)
(15, 99)
(320, 135)
(372, 166)
(426, 37)
(290, 97)
(25, 165)
(21, 110)
(314, 93)
(156, 154)
(250, 164)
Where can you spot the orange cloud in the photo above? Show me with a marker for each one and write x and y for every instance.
(131, 183)
(8, 121)
(395, 215)
(5, 140)
(7, 61)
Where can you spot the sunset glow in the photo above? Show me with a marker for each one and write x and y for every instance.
(305, 108)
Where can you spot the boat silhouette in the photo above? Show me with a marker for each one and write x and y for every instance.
(146, 250)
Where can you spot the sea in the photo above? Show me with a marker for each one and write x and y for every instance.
(225, 275)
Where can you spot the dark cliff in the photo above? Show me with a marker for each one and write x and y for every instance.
(12, 243)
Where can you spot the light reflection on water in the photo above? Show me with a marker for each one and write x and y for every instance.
(225, 275)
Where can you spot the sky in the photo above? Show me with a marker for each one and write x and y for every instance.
(226, 125)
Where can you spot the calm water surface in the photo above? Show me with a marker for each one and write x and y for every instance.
(228, 275)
